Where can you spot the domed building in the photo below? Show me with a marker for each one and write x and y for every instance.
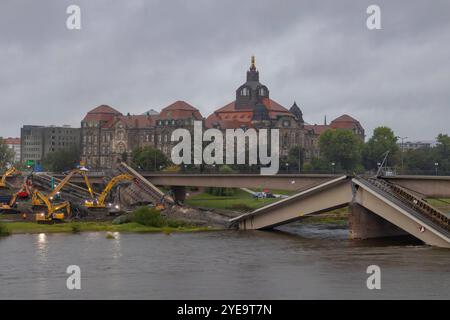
(108, 137)
(253, 108)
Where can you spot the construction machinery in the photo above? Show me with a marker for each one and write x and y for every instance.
(54, 212)
(99, 203)
(8, 173)
(38, 202)
(11, 207)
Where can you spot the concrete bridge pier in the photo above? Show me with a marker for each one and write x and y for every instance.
(179, 193)
(364, 224)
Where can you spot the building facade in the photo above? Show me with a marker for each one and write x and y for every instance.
(38, 141)
(14, 145)
(109, 137)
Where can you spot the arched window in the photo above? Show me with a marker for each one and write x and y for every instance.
(262, 92)
(245, 92)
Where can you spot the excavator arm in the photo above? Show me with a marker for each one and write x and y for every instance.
(8, 173)
(63, 183)
(111, 184)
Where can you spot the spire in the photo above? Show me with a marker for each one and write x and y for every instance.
(253, 64)
(295, 110)
(325, 120)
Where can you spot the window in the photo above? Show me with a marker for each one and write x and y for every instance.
(245, 92)
(262, 92)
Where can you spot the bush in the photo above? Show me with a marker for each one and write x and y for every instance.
(175, 223)
(75, 227)
(220, 192)
(149, 217)
(4, 231)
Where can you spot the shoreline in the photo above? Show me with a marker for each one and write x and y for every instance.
(27, 227)
(79, 227)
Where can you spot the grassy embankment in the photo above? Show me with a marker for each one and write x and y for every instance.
(244, 202)
(142, 220)
(441, 204)
(239, 201)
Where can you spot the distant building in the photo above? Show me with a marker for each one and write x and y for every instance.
(414, 145)
(38, 141)
(109, 137)
(14, 144)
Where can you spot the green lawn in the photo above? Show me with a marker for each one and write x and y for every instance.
(240, 201)
(441, 204)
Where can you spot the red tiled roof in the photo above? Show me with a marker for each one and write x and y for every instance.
(345, 118)
(138, 121)
(180, 110)
(230, 117)
(345, 122)
(317, 128)
(102, 113)
(11, 140)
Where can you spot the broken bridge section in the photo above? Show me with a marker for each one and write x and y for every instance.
(143, 190)
(386, 210)
(403, 209)
(326, 196)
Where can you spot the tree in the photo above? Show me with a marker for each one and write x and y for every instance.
(6, 155)
(296, 158)
(382, 140)
(149, 159)
(420, 160)
(218, 191)
(341, 147)
(61, 160)
(443, 152)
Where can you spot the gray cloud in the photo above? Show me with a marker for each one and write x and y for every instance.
(136, 55)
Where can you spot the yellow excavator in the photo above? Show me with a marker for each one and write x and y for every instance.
(38, 202)
(54, 212)
(99, 203)
(10, 207)
(8, 173)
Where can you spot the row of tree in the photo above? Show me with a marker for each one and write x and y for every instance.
(342, 151)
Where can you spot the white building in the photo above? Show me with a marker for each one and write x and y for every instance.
(14, 144)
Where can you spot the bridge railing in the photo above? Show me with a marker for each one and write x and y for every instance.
(415, 203)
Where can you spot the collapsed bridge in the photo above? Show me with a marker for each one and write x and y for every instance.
(378, 208)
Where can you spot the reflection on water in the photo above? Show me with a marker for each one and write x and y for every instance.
(297, 261)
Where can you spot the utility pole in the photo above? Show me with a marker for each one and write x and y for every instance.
(402, 148)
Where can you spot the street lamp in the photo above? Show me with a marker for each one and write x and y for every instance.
(436, 165)
(332, 167)
(402, 148)
(287, 167)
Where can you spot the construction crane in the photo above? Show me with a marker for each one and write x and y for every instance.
(8, 173)
(99, 203)
(36, 201)
(55, 212)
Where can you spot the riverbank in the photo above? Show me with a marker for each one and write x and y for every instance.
(75, 227)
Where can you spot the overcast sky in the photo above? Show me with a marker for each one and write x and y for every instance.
(135, 55)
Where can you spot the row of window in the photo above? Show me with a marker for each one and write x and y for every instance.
(246, 92)
(172, 122)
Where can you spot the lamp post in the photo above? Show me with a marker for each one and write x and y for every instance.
(332, 167)
(436, 165)
(402, 148)
(287, 167)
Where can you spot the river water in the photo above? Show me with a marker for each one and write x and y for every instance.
(299, 262)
